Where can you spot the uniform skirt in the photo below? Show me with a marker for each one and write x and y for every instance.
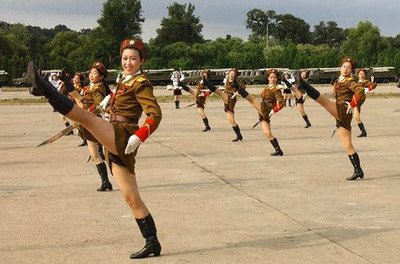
(122, 132)
(230, 106)
(200, 101)
(265, 110)
(344, 118)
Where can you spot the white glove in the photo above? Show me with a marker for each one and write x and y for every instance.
(106, 101)
(234, 95)
(271, 113)
(133, 143)
(350, 109)
(182, 77)
(366, 90)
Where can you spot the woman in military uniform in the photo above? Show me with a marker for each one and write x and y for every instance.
(348, 94)
(368, 86)
(122, 135)
(92, 96)
(200, 94)
(176, 78)
(76, 96)
(287, 92)
(300, 96)
(230, 99)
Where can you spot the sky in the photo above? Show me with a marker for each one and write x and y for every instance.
(219, 17)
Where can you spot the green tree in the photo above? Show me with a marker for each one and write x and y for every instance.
(293, 28)
(120, 19)
(181, 25)
(364, 43)
(328, 33)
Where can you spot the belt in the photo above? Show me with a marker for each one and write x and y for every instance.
(122, 119)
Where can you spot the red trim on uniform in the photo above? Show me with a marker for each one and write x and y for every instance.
(278, 107)
(143, 133)
(91, 108)
(354, 101)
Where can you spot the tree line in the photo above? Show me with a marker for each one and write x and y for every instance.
(275, 40)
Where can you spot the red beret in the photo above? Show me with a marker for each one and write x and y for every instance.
(135, 43)
(269, 71)
(100, 68)
(352, 61)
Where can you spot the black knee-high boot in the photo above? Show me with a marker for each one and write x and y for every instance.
(278, 150)
(290, 102)
(238, 134)
(149, 232)
(41, 87)
(308, 124)
(311, 91)
(358, 172)
(105, 183)
(207, 128)
(363, 131)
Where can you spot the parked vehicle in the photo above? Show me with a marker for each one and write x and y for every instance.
(383, 74)
(3, 77)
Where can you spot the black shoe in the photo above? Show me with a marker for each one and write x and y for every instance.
(277, 153)
(151, 248)
(308, 125)
(238, 138)
(363, 134)
(105, 186)
(357, 174)
(206, 129)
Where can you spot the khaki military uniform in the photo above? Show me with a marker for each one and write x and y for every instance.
(92, 95)
(230, 90)
(344, 92)
(271, 97)
(131, 98)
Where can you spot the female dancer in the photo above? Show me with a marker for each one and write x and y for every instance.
(122, 135)
(348, 94)
(78, 90)
(368, 86)
(93, 95)
(176, 78)
(300, 98)
(229, 98)
(200, 94)
(287, 92)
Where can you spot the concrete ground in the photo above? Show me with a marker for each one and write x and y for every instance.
(214, 201)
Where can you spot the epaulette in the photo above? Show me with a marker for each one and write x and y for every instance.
(141, 78)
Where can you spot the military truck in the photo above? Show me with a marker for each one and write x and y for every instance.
(21, 82)
(383, 74)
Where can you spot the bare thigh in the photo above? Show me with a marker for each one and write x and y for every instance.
(328, 105)
(101, 129)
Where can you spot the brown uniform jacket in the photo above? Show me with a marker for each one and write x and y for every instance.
(93, 95)
(129, 101)
(347, 88)
(272, 96)
(134, 97)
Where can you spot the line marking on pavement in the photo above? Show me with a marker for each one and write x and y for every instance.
(230, 184)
